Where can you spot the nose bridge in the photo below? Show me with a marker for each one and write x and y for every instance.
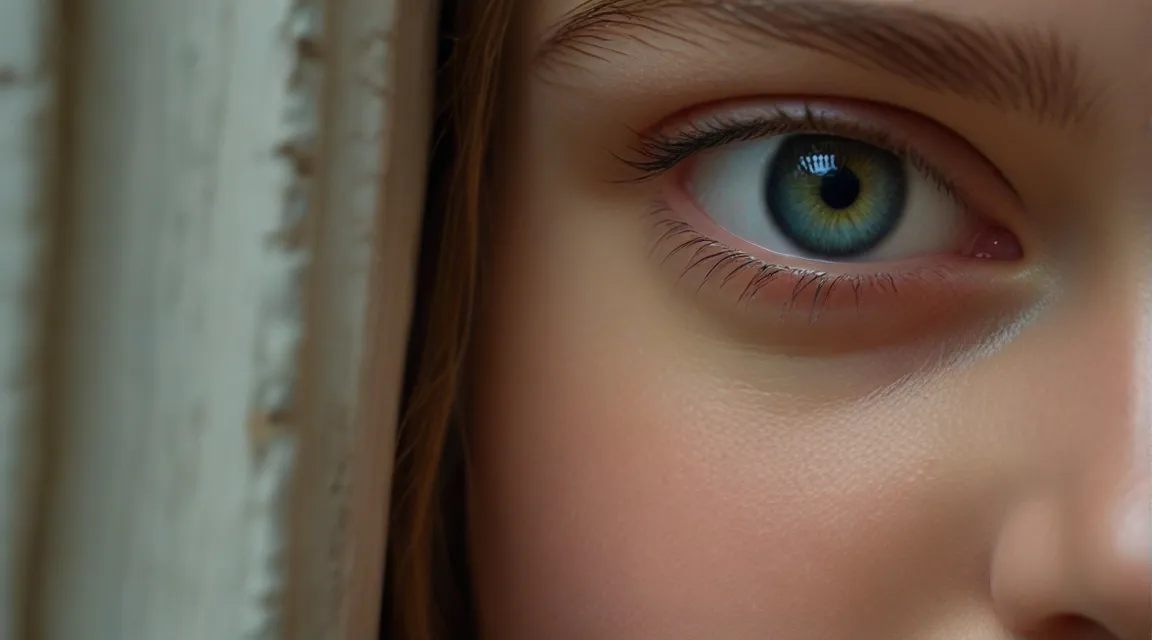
(1106, 388)
(1081, 547)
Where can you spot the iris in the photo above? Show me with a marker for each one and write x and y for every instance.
(835, 197)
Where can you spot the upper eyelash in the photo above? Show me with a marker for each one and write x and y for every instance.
(658, 153)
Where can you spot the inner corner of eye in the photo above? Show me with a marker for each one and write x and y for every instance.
(995, 243)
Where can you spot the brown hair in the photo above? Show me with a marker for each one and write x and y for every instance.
(426, 586)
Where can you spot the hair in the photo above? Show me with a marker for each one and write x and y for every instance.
(427, 589)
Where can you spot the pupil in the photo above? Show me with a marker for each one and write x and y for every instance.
(839, 188)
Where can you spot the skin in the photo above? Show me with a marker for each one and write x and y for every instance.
(652, 463)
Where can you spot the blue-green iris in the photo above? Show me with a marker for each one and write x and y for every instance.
(835, 197)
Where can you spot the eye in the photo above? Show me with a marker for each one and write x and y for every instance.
(828, 198)
(858, 224)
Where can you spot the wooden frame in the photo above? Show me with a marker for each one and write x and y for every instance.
(218, 204)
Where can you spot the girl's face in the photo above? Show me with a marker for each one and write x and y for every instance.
(819, 319)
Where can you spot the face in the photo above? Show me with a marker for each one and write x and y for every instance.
(818, 320)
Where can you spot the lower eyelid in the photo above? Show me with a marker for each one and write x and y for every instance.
(676, 233)
(884, 306)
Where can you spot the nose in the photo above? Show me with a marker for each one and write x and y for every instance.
(1073, 559)
(1078, 574)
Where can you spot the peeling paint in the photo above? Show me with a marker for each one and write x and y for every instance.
(264, 584)
(281, 332)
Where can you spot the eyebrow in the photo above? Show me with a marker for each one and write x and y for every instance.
(1025, 70)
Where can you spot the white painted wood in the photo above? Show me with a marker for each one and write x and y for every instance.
(380, 57)
(222, 397)
(181, 321)
(27, 92)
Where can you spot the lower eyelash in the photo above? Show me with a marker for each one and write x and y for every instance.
(724, 264)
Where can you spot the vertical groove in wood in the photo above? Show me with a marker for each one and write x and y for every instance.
(405, 147)
(28, 83)
(379, 56)
(171, 439)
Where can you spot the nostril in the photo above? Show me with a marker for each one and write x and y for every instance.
(1071, 627)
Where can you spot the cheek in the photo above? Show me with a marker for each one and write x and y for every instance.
(633, 474)
(627, 483)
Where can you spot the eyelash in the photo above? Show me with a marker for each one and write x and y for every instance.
(656, 154)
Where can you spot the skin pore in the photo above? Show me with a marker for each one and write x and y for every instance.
(683, 427)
